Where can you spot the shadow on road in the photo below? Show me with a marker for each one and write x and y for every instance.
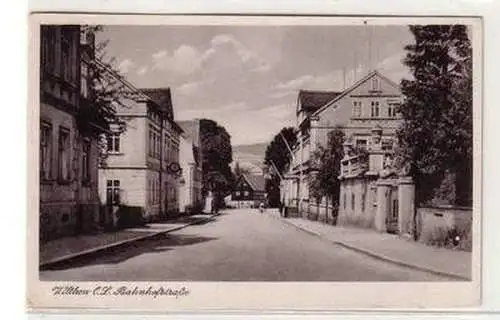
(157, 244)
(192, 220)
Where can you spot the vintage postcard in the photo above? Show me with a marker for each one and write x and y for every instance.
(274, 163)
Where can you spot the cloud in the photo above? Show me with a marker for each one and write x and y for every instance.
(332, 81)
(125, 66)
(297, 83)
(393, 67)
(245, 123)
(142, 71)
(184, 60)
(224, 52)
(189, 87)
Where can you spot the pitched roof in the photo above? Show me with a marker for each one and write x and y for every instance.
(313, 100)
(354, 86)
(191, 130)
(257, 183)
(162, 97)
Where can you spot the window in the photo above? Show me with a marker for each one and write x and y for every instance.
(356, 109)
(114, 142)
(345, 201)
(64, 154)
(375, 108)
(363, 200)
(353, 201)
(158, 144)
(113, 192)
(361, 143)
(157, 191)
(150, 192)
(49, 48)
(65, 56)
(150, 142)
(84, 90)
(86, 161)
(387, 144)
(153, 193)
(237, 193)
(375, 84)
(154, 142)
(246, 193)
(45, 151)
(165, 148)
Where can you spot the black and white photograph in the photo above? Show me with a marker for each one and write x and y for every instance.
(263, 152)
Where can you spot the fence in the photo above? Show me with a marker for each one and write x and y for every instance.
(313, 211)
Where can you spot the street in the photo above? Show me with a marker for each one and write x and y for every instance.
(238, 245)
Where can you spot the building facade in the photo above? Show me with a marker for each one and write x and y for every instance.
(372, 193)
(190, 193)
(140, 179)
(249, 191)
(68, 157)
(370, 102)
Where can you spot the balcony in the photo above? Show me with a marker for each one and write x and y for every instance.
(353, 166)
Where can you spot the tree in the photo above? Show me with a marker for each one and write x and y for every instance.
(435, 140)
(217, 155)
(106, 90)
(277, 154)
(324, 180)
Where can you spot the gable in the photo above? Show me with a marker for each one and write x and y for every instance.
(376, 85)
(365, 88)
(242, 184)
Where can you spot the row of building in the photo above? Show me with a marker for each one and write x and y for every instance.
(152, 166)
(373, 193)
(370, 191)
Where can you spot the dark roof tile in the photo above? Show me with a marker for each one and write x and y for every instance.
(313, 100)
(257, 183)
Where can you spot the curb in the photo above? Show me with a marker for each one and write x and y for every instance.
(55, 261)
(379, 256)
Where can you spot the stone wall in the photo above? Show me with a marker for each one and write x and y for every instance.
(322, 212)
(356, 203)
(435, 223)
(67, 207)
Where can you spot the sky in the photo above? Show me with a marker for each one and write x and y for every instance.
(247, 77)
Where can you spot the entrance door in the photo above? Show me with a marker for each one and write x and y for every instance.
(392, 214)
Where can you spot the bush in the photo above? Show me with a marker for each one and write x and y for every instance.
(451, 238)
(130, 216)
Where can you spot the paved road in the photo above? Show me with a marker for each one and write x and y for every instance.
(239, 245)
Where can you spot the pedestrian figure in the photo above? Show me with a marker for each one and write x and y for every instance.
(214, 206)
(261, 207)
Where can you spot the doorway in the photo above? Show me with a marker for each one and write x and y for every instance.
(392, 211)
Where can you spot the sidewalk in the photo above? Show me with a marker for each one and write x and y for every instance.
(388, 247)
(67, 248)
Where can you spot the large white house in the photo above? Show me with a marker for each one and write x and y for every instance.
(140, 180)
(370, 102)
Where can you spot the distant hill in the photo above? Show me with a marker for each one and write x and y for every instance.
(249, 155)
(256, 149)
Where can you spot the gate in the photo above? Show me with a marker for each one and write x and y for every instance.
(392, 208)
